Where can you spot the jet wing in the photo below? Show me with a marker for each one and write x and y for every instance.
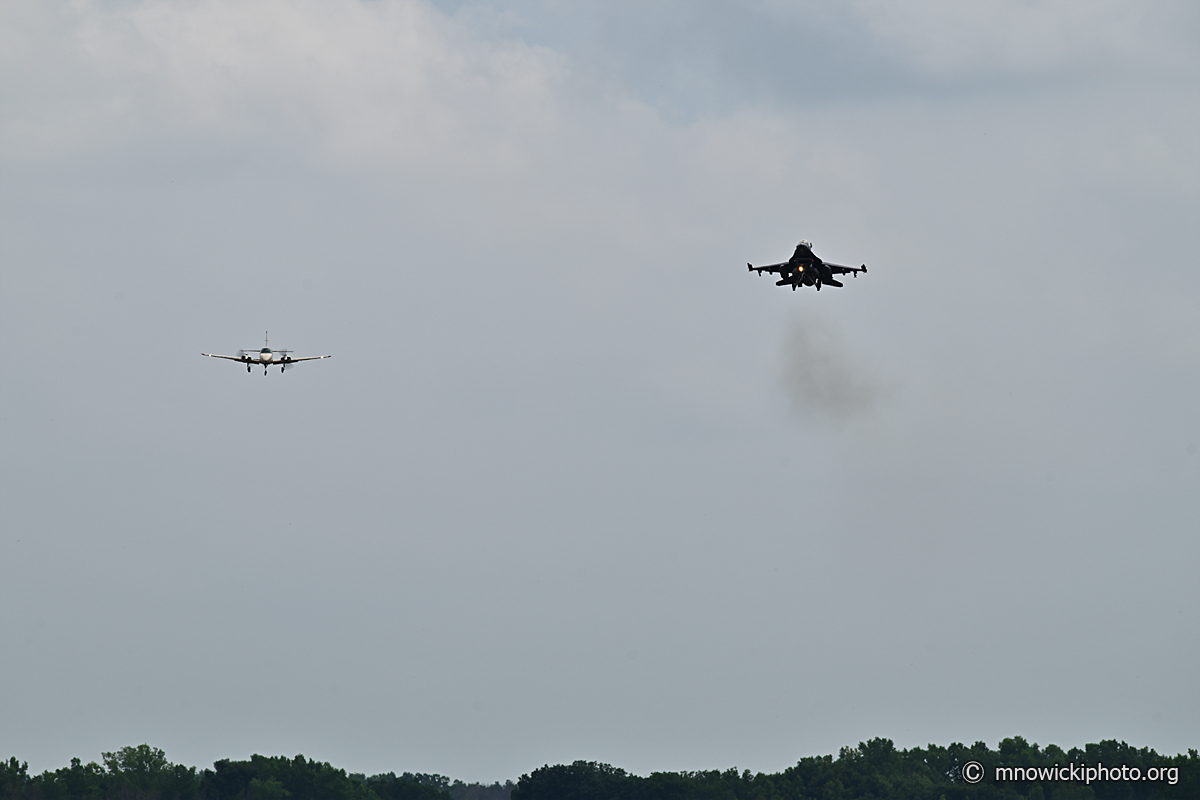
(242, 359)
(838, 269)
(768, 268)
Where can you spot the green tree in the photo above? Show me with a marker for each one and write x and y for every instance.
(269, 789)
(144, 773)
(14, 777)
(582, 780)
(301, 778)
(409, 786)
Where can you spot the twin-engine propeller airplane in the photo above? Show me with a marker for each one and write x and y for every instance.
(266, 357)
(804, 268)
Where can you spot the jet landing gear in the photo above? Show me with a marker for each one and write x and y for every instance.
(247, 368)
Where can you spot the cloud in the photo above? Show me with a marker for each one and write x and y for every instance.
(394, 81)
(549, 352)
(950, 40)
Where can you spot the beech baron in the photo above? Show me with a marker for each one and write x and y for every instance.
(804, 268)
(266, 357)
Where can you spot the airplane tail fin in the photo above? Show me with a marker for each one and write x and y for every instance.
(832, 282)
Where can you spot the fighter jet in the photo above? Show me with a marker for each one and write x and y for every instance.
(804, 268)
(266, 357)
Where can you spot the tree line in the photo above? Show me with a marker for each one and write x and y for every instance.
(877, 770)
(144, 773)
(874, 770)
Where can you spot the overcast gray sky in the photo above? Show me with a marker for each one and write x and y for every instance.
(574, 484)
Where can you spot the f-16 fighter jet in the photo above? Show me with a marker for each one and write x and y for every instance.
(804, 268)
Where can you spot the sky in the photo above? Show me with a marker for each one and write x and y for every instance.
(575, 484)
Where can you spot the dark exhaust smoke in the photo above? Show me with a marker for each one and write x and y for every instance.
(821, 377)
